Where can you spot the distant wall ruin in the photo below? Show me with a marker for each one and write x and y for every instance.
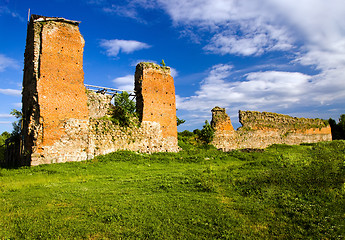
(261, 129)
(62, 120)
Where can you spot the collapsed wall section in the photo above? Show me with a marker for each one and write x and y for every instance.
(261, 129)
(53, 90)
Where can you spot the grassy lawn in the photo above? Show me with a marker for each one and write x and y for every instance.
(285, 192)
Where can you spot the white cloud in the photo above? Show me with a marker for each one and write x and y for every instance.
(5, 115)
(12, 92)
(6, 62)
(123, 11)
(262, 91)
(173, 72)
(130, 9)
(237, 27)
(124, 83)
(6, 10)
(252, 42)
(308, 33)
(115, 46)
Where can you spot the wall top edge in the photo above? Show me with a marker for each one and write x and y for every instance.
(38, 18)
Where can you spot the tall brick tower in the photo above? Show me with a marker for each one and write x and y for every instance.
(53, 88)
(156, 102)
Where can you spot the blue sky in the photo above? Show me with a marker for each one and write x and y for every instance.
(264, 55)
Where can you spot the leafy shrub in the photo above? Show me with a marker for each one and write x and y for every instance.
(123, 111)
(179, 121)
(185, 133)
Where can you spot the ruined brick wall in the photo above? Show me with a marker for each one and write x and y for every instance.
(259, 130)
(53, 88)
(65, 122)
(155, 92)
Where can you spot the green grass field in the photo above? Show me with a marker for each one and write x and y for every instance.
(285, 192)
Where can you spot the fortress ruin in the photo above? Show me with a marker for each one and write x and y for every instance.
(259, 130)
(63, 121)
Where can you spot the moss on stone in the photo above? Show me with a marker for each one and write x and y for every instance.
(151, 65)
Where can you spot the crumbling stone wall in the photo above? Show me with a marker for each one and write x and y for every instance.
(266, 120)
(155, 90)
(98, 104)
(62, 121)
(259, 130)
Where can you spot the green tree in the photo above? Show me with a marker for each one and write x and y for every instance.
(123, 111)
(342, 122)
(206, 133)
(3, 137)
(17, 125)
(338, 130)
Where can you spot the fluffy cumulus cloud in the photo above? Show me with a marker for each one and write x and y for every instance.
(314, 29)
(115, 46)
(269, 90)
(275, 91)
(308, 34)
(237, 27)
